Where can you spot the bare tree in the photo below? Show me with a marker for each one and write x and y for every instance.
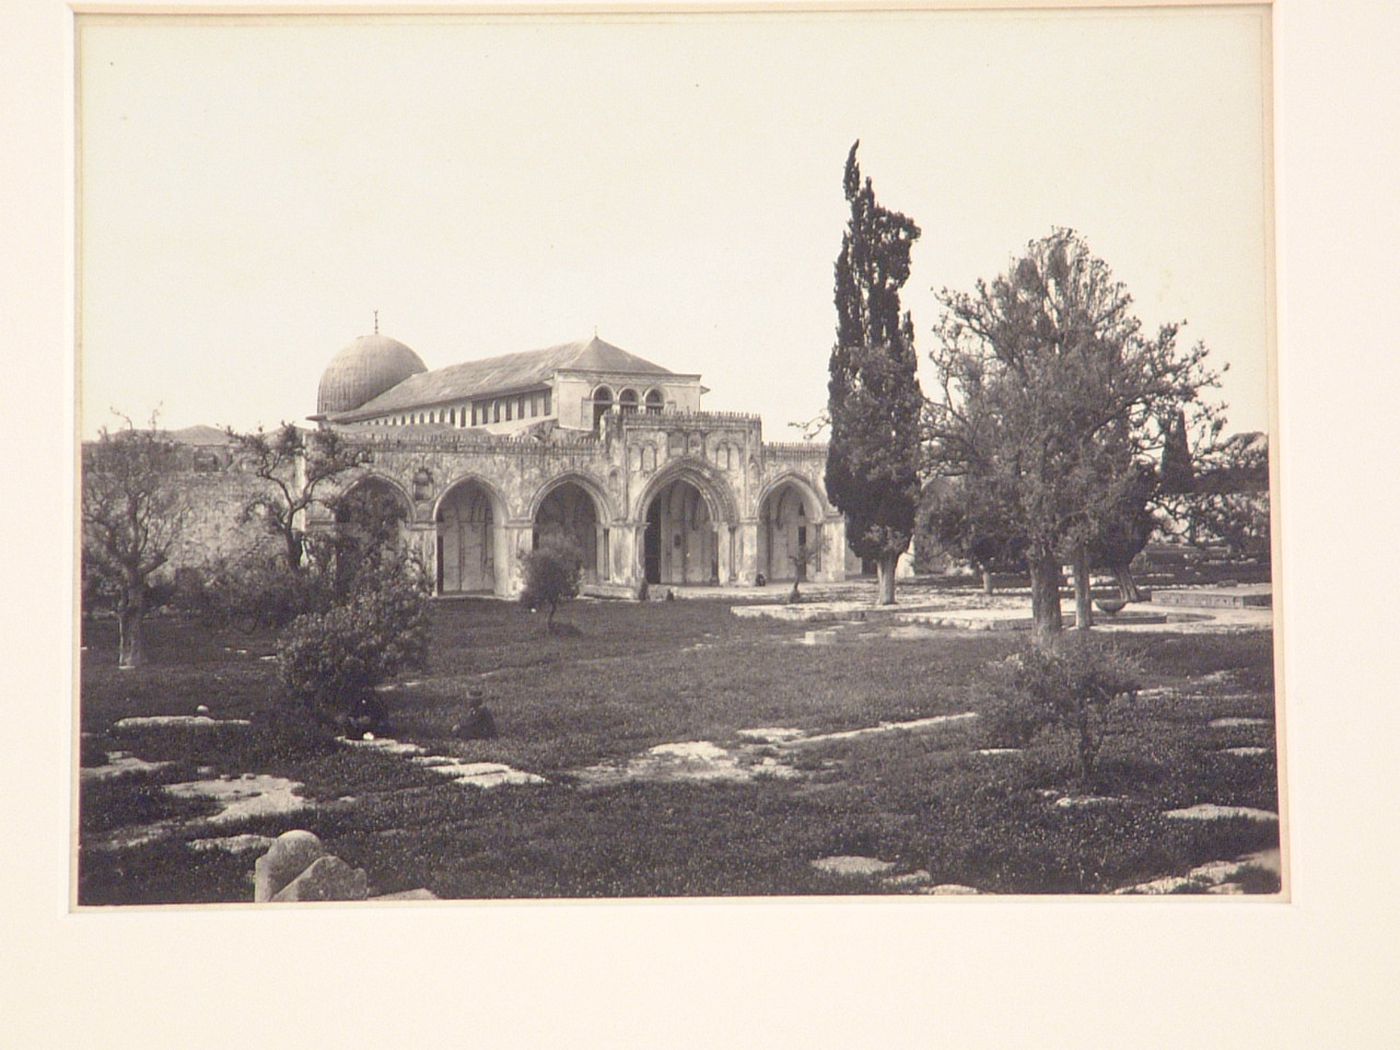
(133, 512)
(295, 463)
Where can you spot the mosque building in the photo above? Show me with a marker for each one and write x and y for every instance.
(584, 441)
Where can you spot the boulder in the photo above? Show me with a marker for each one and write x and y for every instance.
(290, 855)
(327, 879)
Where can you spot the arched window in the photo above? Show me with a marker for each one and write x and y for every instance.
(655, 402)
(602, 404)
(627, 401)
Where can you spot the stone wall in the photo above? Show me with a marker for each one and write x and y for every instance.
(623, 471)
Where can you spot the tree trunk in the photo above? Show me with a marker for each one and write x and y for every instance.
(130, 650)
(1083, 597)
(1045, 598)
(885, 567)
(1127, 586)
(294, 550)
(987, 581)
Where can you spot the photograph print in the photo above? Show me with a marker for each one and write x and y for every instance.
(645, 455)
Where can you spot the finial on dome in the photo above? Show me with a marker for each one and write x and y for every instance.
(376, 322)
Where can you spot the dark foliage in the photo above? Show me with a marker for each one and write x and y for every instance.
(553, 574)
(874, 400)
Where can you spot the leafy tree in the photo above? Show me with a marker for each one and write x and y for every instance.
(874, 401)
(294, 463)
(1051, 403)
(970, 526)
(553, 574)
(133, 512)
(1229, 501)
(1124, 530)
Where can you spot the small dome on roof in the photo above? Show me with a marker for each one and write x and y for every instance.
(363, 370)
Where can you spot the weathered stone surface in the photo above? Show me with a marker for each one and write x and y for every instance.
(913, 726)
(770, 734)
(819, 638)
(1085, 801)
(1210, 877)
(120, 763)
(233, 843)
(909, 880)
(177, 722)
(289, 856)
(691, 760)
(327, 879)
(479, 774)
(393, 747)
(419, 894)
(1212, 811)
(242, 797)
(949, 889)
(853, 865)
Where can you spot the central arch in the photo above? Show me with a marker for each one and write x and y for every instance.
(686, 523)
(680, 542)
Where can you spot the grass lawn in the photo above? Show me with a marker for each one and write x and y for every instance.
(639, 675)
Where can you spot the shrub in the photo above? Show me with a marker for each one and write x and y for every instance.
(332, 660)
(255, 591)
(552, 574)
(1073, 687)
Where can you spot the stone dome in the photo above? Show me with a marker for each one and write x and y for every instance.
(363, 370)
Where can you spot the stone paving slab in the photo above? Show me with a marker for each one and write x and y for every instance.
(177, 722)
(853, 865)
(119, 764)
(1214, 811)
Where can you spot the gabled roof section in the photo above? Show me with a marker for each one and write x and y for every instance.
(509, 372)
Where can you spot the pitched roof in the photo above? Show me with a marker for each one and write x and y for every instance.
(506, 372)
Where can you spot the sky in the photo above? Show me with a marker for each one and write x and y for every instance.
(251, 190)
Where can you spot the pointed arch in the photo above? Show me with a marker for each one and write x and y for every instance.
(711, 484)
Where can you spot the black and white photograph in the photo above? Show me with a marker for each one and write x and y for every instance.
(666, 525)
(567, 457)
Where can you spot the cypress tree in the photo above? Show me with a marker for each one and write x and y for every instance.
(874, 400)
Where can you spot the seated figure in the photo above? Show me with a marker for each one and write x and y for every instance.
(478, 724)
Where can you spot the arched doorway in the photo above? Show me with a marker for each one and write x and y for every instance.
(789, 533)
(373, 511)
(570, 514)
(680, 543)
(466, 540)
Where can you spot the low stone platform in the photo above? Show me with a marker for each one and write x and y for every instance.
(1019, 620)
(1254, 596)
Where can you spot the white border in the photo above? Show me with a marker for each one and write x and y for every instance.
(1320, 971)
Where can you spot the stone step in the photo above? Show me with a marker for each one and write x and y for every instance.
(1204, 598)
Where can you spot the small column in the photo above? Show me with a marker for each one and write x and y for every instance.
(625, 554)
(746, 552)
(833, 540)
(422, 539)
(517, 539)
